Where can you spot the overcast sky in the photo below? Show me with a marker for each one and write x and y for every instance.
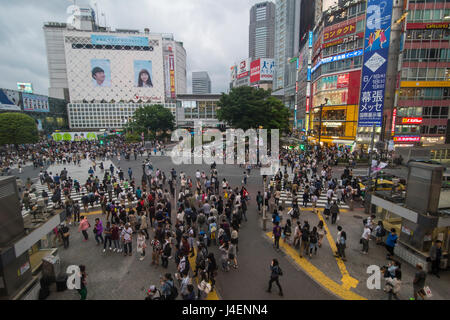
(214, 33)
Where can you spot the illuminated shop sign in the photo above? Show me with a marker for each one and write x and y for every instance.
(410, 26)
(413, 120)
(407, 139)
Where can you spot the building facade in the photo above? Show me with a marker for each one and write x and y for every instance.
(194, 108)
(261, 30)
(421, 113)
(201, 83)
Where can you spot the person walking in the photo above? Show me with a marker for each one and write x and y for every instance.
(166, 253)
(305, 239)
(334, 210)
(276, 235)
(156, 250)
(380, 232)
(98, 231)
(287, 231)
(141, 245)
(107, 232)
(341, 240)
(64, 231)
(435, 257)
(115, 235)
(313, 239)
(321, 233)
(84, 225)
(275, 273)
(365, 240)
(127, 239)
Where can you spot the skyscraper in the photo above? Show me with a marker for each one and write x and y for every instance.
(261, 30)
(201, 83)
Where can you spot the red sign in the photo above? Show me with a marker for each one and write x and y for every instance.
(342, 80)
(255, 71)
(307, 104)
(172, 76)
(414, 120)
(427, 26)
(394, 117)
(407, 139)
(339, 32)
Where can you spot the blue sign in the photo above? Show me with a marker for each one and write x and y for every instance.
(310, 39)
(376, 50)
(308, 75)
(121, 41)
(338, 57)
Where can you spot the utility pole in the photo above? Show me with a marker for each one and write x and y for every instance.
(264, 203)
(368, 196)
(320, 118)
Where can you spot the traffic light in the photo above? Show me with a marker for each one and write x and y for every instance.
(302, 146)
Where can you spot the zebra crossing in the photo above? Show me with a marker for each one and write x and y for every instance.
(287, 198)
(73, 195)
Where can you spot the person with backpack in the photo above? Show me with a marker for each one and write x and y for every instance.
(321, 232)
(305, 239)
(168, 289)
(380, 232)
(166, 252)
(259, 200)
(334, 210)
(297, 235)
(275, 273)
(341, 240)
(287, 231)
(211, 269)
(313, 239)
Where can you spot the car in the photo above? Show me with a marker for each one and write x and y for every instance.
(424, 161)
(382, 185)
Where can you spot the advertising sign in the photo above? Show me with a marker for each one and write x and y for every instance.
(339, 32)
(425, 84)
(335, 17)
(412, 120)
(25, 87)
(267, 69)
(310, 39)
(75, 136)
(394, 118)
(407, 139)
(143, 73)
(9, 100)
(376, 49)
(172, 76)
(342, 80)
(121, 41)
(101, 72)
(411, 26)
(350, 38)
(32, 102)
(233, 72)
(338, 57)
(255, 71)
(243, 69)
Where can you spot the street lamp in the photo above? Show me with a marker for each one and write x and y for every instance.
(320, 118)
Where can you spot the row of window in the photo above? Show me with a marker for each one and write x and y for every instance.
(422, 34)
(426, 1)
(428, 15)
(424, 93)
(433, 54)
(343, 47)
(425, 112)
(426, 74)
(420, 129)
(337, 66)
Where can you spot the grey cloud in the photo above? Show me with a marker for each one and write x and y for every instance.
(214, 33)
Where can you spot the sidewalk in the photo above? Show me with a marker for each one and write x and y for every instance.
(352, 274)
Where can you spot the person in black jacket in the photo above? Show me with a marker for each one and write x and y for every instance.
(274, 276)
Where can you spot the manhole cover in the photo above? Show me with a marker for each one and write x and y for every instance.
(357, 217)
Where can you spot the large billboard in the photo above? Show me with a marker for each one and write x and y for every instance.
(76, 136)
(129, 68)
(101, 73)
(243, 69)
(255, 71)
(32, 102)
(9, 100)
(262, 70)
(376, 49)
(25, 87)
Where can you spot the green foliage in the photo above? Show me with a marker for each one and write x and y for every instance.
(17, 128)
(249, 107)
(152, 119)
(132, 137)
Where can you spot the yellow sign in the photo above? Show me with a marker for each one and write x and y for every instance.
(425, 84)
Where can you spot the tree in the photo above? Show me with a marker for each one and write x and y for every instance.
(248, 107)
(152, 119)
(17, 128)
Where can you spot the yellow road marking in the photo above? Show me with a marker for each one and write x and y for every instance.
(338, 289)
(212, 295)
(347, 281)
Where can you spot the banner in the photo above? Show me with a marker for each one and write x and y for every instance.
(255, 71)
(376, 49)
(339, 32)
(121, 41)
(35, 103)
(267, 69)
(9, 100)
(243, 69)
(76, 136)
(25, 87)
(172, 76)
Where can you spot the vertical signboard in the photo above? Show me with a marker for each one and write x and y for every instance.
(267, 69)
(255, 71)
(243, 69)
(172, 76)
(376, 49)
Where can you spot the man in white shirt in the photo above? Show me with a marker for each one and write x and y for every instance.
(197, 175)
(365, 240)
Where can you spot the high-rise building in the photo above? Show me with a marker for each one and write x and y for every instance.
(201, 83)
(261, 30)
